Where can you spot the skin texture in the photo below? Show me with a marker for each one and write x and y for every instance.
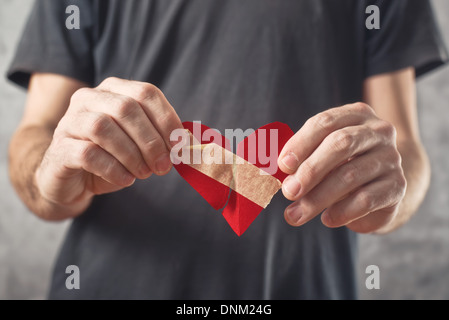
(75, 142)
(355, 166)
(60, 157)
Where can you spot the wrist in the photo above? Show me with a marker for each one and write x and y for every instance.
(49, 209)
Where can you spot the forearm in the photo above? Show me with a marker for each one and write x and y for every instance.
(27, 149)
(417, 171)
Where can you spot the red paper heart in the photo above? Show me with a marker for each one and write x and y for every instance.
(239, 212)
(214, 192)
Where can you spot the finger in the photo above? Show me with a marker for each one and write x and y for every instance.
(370, 198)
(102, 130)
(339, 184)
(374, 221)
(91, 158)
(316, 129)
(130, 116)
(335, 150)
(153, 101)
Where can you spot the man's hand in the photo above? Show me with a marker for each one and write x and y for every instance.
(109, 136)
(344, 161)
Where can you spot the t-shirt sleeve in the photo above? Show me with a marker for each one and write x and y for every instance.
(47, 45)
(408, 37)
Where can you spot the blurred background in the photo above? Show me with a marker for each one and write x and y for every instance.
(413, 261)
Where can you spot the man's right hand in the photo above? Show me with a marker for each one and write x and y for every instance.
(109, 136)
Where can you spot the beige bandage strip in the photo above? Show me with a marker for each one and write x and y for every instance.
(235, 172)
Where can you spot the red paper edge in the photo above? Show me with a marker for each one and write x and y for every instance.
(214, 192)
(240, 212)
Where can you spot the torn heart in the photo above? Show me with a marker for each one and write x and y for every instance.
(243, 183)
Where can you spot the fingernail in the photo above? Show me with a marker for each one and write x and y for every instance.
(128, 179)
(294, 214)
(291, 186)
(326, 219)
(291, 161)
(163, 163)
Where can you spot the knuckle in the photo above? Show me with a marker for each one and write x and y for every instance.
(366, 200)
(324, 120)
(88, 153)
(80, 95)
(147, 91)
(343, 140)
(101, 125)
(397, 159)
(394, 159)
(348, 175)
(388, 130)
(108, 81)
(363, 108)
(375, 165)
(401, 183)
(125, 107)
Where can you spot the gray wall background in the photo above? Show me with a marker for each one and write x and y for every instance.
(413, 261)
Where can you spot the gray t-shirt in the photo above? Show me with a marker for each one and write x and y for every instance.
(230, 64)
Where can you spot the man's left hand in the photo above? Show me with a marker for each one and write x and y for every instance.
(345, 162)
